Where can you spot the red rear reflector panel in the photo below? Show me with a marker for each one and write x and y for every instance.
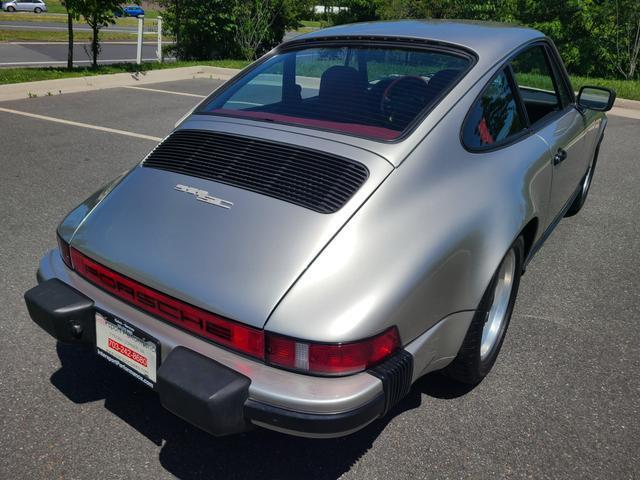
(332, 359)
(205, 324)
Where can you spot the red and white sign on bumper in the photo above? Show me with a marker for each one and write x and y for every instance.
(121, 345)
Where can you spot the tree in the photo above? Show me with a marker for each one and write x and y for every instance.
(204, 29)
(229, 28)
(69, 6)
(627, 27)
(261, 24)
(254, 20)
(97, 14)
(594, 37)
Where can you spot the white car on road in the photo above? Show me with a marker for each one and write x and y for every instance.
(37, 6)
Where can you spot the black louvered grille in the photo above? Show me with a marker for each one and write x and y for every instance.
(316, 180)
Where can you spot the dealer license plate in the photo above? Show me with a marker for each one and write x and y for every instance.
(127, 347)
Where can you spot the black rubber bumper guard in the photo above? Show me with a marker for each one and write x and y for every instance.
(206, 393)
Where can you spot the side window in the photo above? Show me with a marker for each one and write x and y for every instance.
(536, 83)
(264, 89)
(494, 117)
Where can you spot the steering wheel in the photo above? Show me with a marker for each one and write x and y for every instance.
(403, 98)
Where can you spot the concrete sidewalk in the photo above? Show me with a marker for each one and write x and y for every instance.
(17, 91)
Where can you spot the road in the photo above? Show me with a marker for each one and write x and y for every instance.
(561, 402)
(27, 54)
(16, 54)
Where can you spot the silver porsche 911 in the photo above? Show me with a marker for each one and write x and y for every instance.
(352, 211)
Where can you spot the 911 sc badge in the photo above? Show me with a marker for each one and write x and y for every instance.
(203, 196)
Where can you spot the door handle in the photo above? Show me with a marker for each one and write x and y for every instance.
(560, 156)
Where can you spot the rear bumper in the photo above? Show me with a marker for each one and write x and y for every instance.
(213, 388)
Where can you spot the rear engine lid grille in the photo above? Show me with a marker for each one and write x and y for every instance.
(312, 179)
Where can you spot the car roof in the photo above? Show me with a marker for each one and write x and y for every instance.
(487, 39)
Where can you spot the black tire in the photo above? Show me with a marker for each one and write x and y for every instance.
(37, 10)
(578, 203)
(11, 9)
(469, 367)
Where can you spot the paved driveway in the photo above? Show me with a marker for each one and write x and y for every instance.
(561, 402)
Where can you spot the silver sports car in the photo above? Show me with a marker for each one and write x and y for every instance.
(352, 211)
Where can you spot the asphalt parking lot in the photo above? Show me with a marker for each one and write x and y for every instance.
(561, 402)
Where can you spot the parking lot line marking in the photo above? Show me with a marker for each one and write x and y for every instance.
(82, 125)
(166, 91)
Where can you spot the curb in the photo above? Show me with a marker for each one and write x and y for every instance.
(18, 91)
(626, 108)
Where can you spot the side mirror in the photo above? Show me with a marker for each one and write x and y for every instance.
(596, 98)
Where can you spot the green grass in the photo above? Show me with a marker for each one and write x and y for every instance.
(18, 75)
(32, 17)
(629, 89)
(46, 18)
(302, 30)
(314, 23)
(54, 6)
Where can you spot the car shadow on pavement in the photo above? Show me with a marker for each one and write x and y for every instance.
(190, 453)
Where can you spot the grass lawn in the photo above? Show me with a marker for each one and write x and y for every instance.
(629, 89)
(17, 75)
(47, 18)
(303, 30)
(314, 23)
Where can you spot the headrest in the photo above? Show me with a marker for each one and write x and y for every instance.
(340, 81)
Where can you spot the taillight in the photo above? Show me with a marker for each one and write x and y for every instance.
(64, 251)
(236, 336)
(331, 359)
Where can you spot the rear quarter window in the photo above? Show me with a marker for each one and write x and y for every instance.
(494, 118)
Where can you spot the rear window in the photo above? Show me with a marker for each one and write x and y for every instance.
(369, 92)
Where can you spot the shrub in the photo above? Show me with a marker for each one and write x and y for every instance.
(229, 28)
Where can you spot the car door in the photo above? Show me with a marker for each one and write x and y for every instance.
(26, 5)
(553, 117)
